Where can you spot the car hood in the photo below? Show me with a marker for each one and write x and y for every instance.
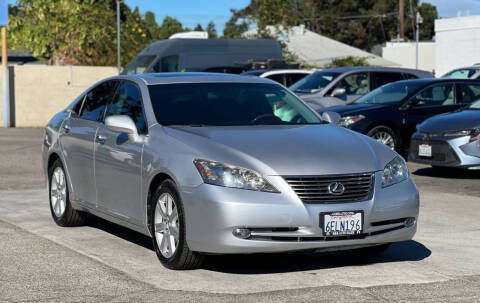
(455, 121)
(354, 109)
(323, 149)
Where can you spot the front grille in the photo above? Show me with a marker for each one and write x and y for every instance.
(442, 153)
(314, 189)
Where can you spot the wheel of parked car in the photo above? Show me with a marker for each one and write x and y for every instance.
(62, 211)
(168, 226)
(385, 135)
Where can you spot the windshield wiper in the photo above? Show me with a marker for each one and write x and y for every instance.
(190, 125)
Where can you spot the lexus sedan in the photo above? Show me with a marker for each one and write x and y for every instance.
(391, 113)
(220, 164)
(449, 140)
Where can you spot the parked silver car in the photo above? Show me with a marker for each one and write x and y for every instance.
(343, 85)
(216, 163)
(451, 139)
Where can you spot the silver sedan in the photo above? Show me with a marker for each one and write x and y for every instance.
(215, 163)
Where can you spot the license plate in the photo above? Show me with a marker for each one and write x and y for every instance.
(341, 223)
(425, 150)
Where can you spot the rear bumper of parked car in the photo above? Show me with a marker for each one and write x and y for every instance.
(280, 222)
(446, 151)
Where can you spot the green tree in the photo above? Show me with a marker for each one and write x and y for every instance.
(151, 25)
(236, 25)
(71, 31)
(429, 14)
(211, 30)
(169, 27)
(349, 61)
(198, 28)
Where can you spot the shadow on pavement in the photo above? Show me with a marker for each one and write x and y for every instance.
(120, 231)
(447, 173)
(282, 263)
(279, 262)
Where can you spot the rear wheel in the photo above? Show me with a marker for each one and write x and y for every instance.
(168, 229)
(62, 211)
(385, 135)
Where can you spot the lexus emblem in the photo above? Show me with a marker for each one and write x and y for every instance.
(336, 188)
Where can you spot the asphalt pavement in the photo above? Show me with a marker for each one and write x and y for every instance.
(103, 262)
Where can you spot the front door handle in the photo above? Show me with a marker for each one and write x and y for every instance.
(100, 139)
(66, 128)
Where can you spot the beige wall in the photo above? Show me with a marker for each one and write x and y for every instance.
(41, 91)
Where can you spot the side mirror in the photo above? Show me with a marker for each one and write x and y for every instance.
(122, 124)
(338, 92)
(331, 117)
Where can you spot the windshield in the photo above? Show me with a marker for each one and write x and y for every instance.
(314, 83)
(223, 104)
(390, 93)
(139, 65)
(460, 74)
(475, 105)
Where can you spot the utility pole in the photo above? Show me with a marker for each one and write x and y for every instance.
(119, 64)
(6, 87)
(401, 18)
(419, 20)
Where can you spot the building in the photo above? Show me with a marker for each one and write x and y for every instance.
(318, 50)
(404, 53)
(457, 43)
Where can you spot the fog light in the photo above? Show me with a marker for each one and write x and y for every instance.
(242, 233)
(409, 222)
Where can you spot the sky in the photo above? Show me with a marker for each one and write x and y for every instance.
(191, 12)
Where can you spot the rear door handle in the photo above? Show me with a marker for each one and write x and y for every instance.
(100, 139)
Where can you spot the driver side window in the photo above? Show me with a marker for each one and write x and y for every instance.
(436, 95)
(354, 84)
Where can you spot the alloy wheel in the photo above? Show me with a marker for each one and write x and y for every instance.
(166, 225)
(385, 138)
(58, 192)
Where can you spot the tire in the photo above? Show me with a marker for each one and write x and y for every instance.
(167, 219)
(385, 135)
(59, 198)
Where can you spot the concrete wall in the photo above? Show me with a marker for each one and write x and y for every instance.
(458, 43)
(41, 91)
(404, 53)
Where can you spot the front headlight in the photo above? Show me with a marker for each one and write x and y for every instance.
(217, 173)
(458, 133)
(349, 120)
(394, 172)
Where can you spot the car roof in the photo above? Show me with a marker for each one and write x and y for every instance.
(346, 69)
(195, 77)
(287, 71)
(428, 81)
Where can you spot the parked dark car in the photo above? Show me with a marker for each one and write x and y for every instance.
(390, 113)
(449, 140)
(338, 86)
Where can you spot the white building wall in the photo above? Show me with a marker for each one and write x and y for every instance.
(404, 53)
(458, 43)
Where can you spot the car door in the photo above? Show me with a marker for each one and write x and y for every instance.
(118, 160)
(354, 85)
(470, 92)
(430, 101)
(77, 137)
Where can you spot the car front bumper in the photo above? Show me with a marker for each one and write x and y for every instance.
(447, 151)
(281, 222)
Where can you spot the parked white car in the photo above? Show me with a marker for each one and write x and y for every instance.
(286, 77)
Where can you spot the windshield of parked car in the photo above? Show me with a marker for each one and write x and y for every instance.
(139, 65)
(465, 73)
(475, 105)
(389, 93)
(223, 104)
(314, 83)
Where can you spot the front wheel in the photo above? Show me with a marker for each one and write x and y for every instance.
(168, 229)
(385, 135)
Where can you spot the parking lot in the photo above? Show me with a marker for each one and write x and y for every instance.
(104, 262)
